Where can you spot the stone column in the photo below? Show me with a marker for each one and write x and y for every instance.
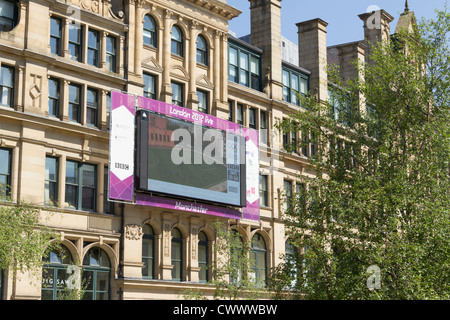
(65, 38)
(103, 35)
(192, 96)
(138, 41)
(131, 31)
(216, 67)
(166, 90)
(224, 67)
(64, 106)
(62, 181)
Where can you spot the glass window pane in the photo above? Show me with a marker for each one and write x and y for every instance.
(7, 9)
(50, 169)
(71, 172)
(55, 27)
(243, 77)
(102, 281)
(92, 98)
(243, 61)
(71, 195)
(294, 82)
(4, 161)
(93, 39)
(6, 76)
(89, 176)
(232, 56)
(254, 65)
(285, 78)
(303, 85)
(74, 94)
(88, 199)
(176, 34)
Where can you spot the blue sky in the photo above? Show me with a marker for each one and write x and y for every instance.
(342, 16)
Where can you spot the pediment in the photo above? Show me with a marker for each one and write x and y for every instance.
(204, 81)
(179, 72)
(152, 64)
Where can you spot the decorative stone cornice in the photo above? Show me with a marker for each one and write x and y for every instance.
(217, 7)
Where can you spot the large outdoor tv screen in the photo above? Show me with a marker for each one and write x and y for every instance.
(184, 159)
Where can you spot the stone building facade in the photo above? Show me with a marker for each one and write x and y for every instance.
(59, 62)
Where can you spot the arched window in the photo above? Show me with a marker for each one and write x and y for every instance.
(150, 31)
(177, 41)
(148, 252)
(177, 254)
(203, 256)
(96, 275)
(202, 50)
(55, 273)
(258, 256)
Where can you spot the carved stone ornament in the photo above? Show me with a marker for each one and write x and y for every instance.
(133, 232)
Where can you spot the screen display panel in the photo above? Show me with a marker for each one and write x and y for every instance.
(190, 160)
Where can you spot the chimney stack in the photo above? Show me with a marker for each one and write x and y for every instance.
(312, 48)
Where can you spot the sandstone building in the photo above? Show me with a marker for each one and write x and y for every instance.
(59, 61)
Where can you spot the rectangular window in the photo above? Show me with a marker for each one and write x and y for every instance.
(93, 48)
(232, 64)
(5, 173)
(300, 189)
(75, 42)
(55, 35)
(240, 114)
(53, 97)
(230, 110)
(51, 181)
(203, 103)
(244, 67)
(263, 128)
(177, 94)
(252, 118)
(254, 73)
(287, 194)
(7, 86)
(305, 143)
(74, 102)
(149, 86)
(341, 107)
(263, 199)
(294, 84)
(81, 186)
(111, 53)
(91, 107)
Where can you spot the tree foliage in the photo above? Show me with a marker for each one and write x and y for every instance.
(381, 196)
(231, 276)
(23, 237)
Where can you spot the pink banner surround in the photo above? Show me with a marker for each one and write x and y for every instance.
(121, 164)
(146, 200)
(121, 185)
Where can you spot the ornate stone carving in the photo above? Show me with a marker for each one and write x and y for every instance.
(133, 232)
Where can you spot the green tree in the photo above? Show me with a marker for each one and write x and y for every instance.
(230, 269)
(381, 200)
(23, 238)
